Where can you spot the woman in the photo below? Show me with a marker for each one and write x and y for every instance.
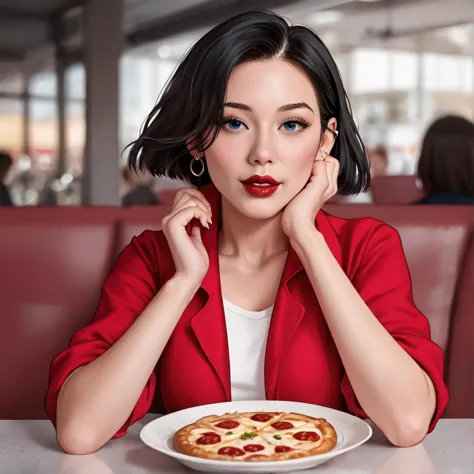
(251, 291)
(446, 164)
(6, 162)
(378, 158)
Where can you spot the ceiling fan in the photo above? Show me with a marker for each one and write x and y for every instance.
(389, 31)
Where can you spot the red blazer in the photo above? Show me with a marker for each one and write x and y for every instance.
(301, 362)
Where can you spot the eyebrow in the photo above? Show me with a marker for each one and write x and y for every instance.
(283, 108)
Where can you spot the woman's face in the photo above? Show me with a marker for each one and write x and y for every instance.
(271, 128)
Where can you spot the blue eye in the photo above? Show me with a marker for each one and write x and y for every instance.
(290, 126)
(234, 124)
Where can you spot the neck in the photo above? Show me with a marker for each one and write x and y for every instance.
(251, 239)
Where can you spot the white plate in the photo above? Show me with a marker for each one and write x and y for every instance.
(158, 434)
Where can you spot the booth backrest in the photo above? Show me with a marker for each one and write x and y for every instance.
(395, 189)
(53, 262)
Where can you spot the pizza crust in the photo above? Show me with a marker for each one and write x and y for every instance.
(184, 443)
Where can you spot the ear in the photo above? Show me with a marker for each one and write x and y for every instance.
(329, 136)
(192, 145)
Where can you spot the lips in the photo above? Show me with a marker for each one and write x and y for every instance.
(257, 179)
(260, 186)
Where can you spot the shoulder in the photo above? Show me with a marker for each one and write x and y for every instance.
(360, 240)
(152, 242)
(150, 248)
(358, 230)
(371, 250)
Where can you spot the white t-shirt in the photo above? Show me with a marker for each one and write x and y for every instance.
(247, 333)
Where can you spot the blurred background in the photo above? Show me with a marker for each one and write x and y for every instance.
(77, 79)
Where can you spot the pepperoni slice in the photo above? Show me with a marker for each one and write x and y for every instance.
(209, 438)
(228, 424)
(253, 448)
(261, 417)
(231, 451)
(282, 449)
(283, 425)
(306, 436)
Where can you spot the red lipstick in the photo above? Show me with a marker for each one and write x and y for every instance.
(260, 186)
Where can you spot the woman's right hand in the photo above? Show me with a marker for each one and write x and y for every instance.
(189, 254)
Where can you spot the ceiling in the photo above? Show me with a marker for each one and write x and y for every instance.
(435, 26)
(25, 23)
(343, 25)
(41, 7)
(28, 24)
(27, 27)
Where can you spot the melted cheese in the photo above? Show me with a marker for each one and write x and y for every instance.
(287, 438)
(241, 443)
(296, 424)
(236, 432)
(195, 434)
(265, 437)
(211, 428)
(245, 419)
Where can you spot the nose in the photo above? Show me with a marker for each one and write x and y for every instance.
(261, 152)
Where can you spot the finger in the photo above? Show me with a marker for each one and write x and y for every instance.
(193, 202)
(183, 197)
(335, 177)
(179, 194)
(187, 214)
(330, 190)
(181, 191)
(335, 173)
(193, 192)
(319, 173)
(329, 171)
(196, 233)
(180, 200)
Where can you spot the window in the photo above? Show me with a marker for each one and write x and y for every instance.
(403, 70)
(12, 82)
(142, 81)
(43, 130)
(370, 71)
(76, 82)
(43, 84)
(11, 125)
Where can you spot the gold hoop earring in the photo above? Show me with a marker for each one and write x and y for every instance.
(203, 166)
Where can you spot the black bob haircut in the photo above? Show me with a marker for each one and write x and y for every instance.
(447, 157)
(191, 105)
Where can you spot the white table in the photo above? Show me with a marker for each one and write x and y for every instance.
(29, 447)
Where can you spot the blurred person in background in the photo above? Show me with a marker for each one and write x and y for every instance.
(136, 192)
(446, 164)
(6, 162)
(378, 162)
(252, 246)
(378, 158)
(47, 196)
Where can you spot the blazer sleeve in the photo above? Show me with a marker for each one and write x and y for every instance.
(130, 287)
(383, 281)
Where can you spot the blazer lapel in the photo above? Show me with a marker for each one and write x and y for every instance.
(208, 324)
(287, 315)
(289, 308)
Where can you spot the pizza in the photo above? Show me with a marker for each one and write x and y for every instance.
(263, 436)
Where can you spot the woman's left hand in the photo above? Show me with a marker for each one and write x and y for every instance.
(301, 211)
